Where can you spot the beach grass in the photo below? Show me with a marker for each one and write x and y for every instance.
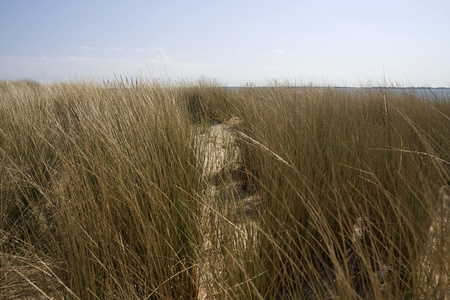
(104, 192)
(347, 184)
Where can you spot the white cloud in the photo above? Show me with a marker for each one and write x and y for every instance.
(152, 50)
(88, 48)
(74, 58)
(158, 54)
(118, 49)
(278, 51)
(92, 48)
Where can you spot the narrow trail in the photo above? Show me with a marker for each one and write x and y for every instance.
(225, 204)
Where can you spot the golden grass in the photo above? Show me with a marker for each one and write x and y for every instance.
(105, 192)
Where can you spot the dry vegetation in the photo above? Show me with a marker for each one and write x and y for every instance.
(150, 190)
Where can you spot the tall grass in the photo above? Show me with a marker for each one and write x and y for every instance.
(104, 194)
(347, 184)
(104, 182)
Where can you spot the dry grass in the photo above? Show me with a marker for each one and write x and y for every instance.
(138, 190)
(347, 184)
(103, 183)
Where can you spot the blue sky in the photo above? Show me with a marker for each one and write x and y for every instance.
(324, 42)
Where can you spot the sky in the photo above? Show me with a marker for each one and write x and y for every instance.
(234, 42)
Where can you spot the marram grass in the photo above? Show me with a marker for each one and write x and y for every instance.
(104, 194)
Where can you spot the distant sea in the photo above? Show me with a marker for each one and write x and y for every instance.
(440, 93)
(425, 92)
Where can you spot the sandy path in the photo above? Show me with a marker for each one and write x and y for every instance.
(224, 202)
